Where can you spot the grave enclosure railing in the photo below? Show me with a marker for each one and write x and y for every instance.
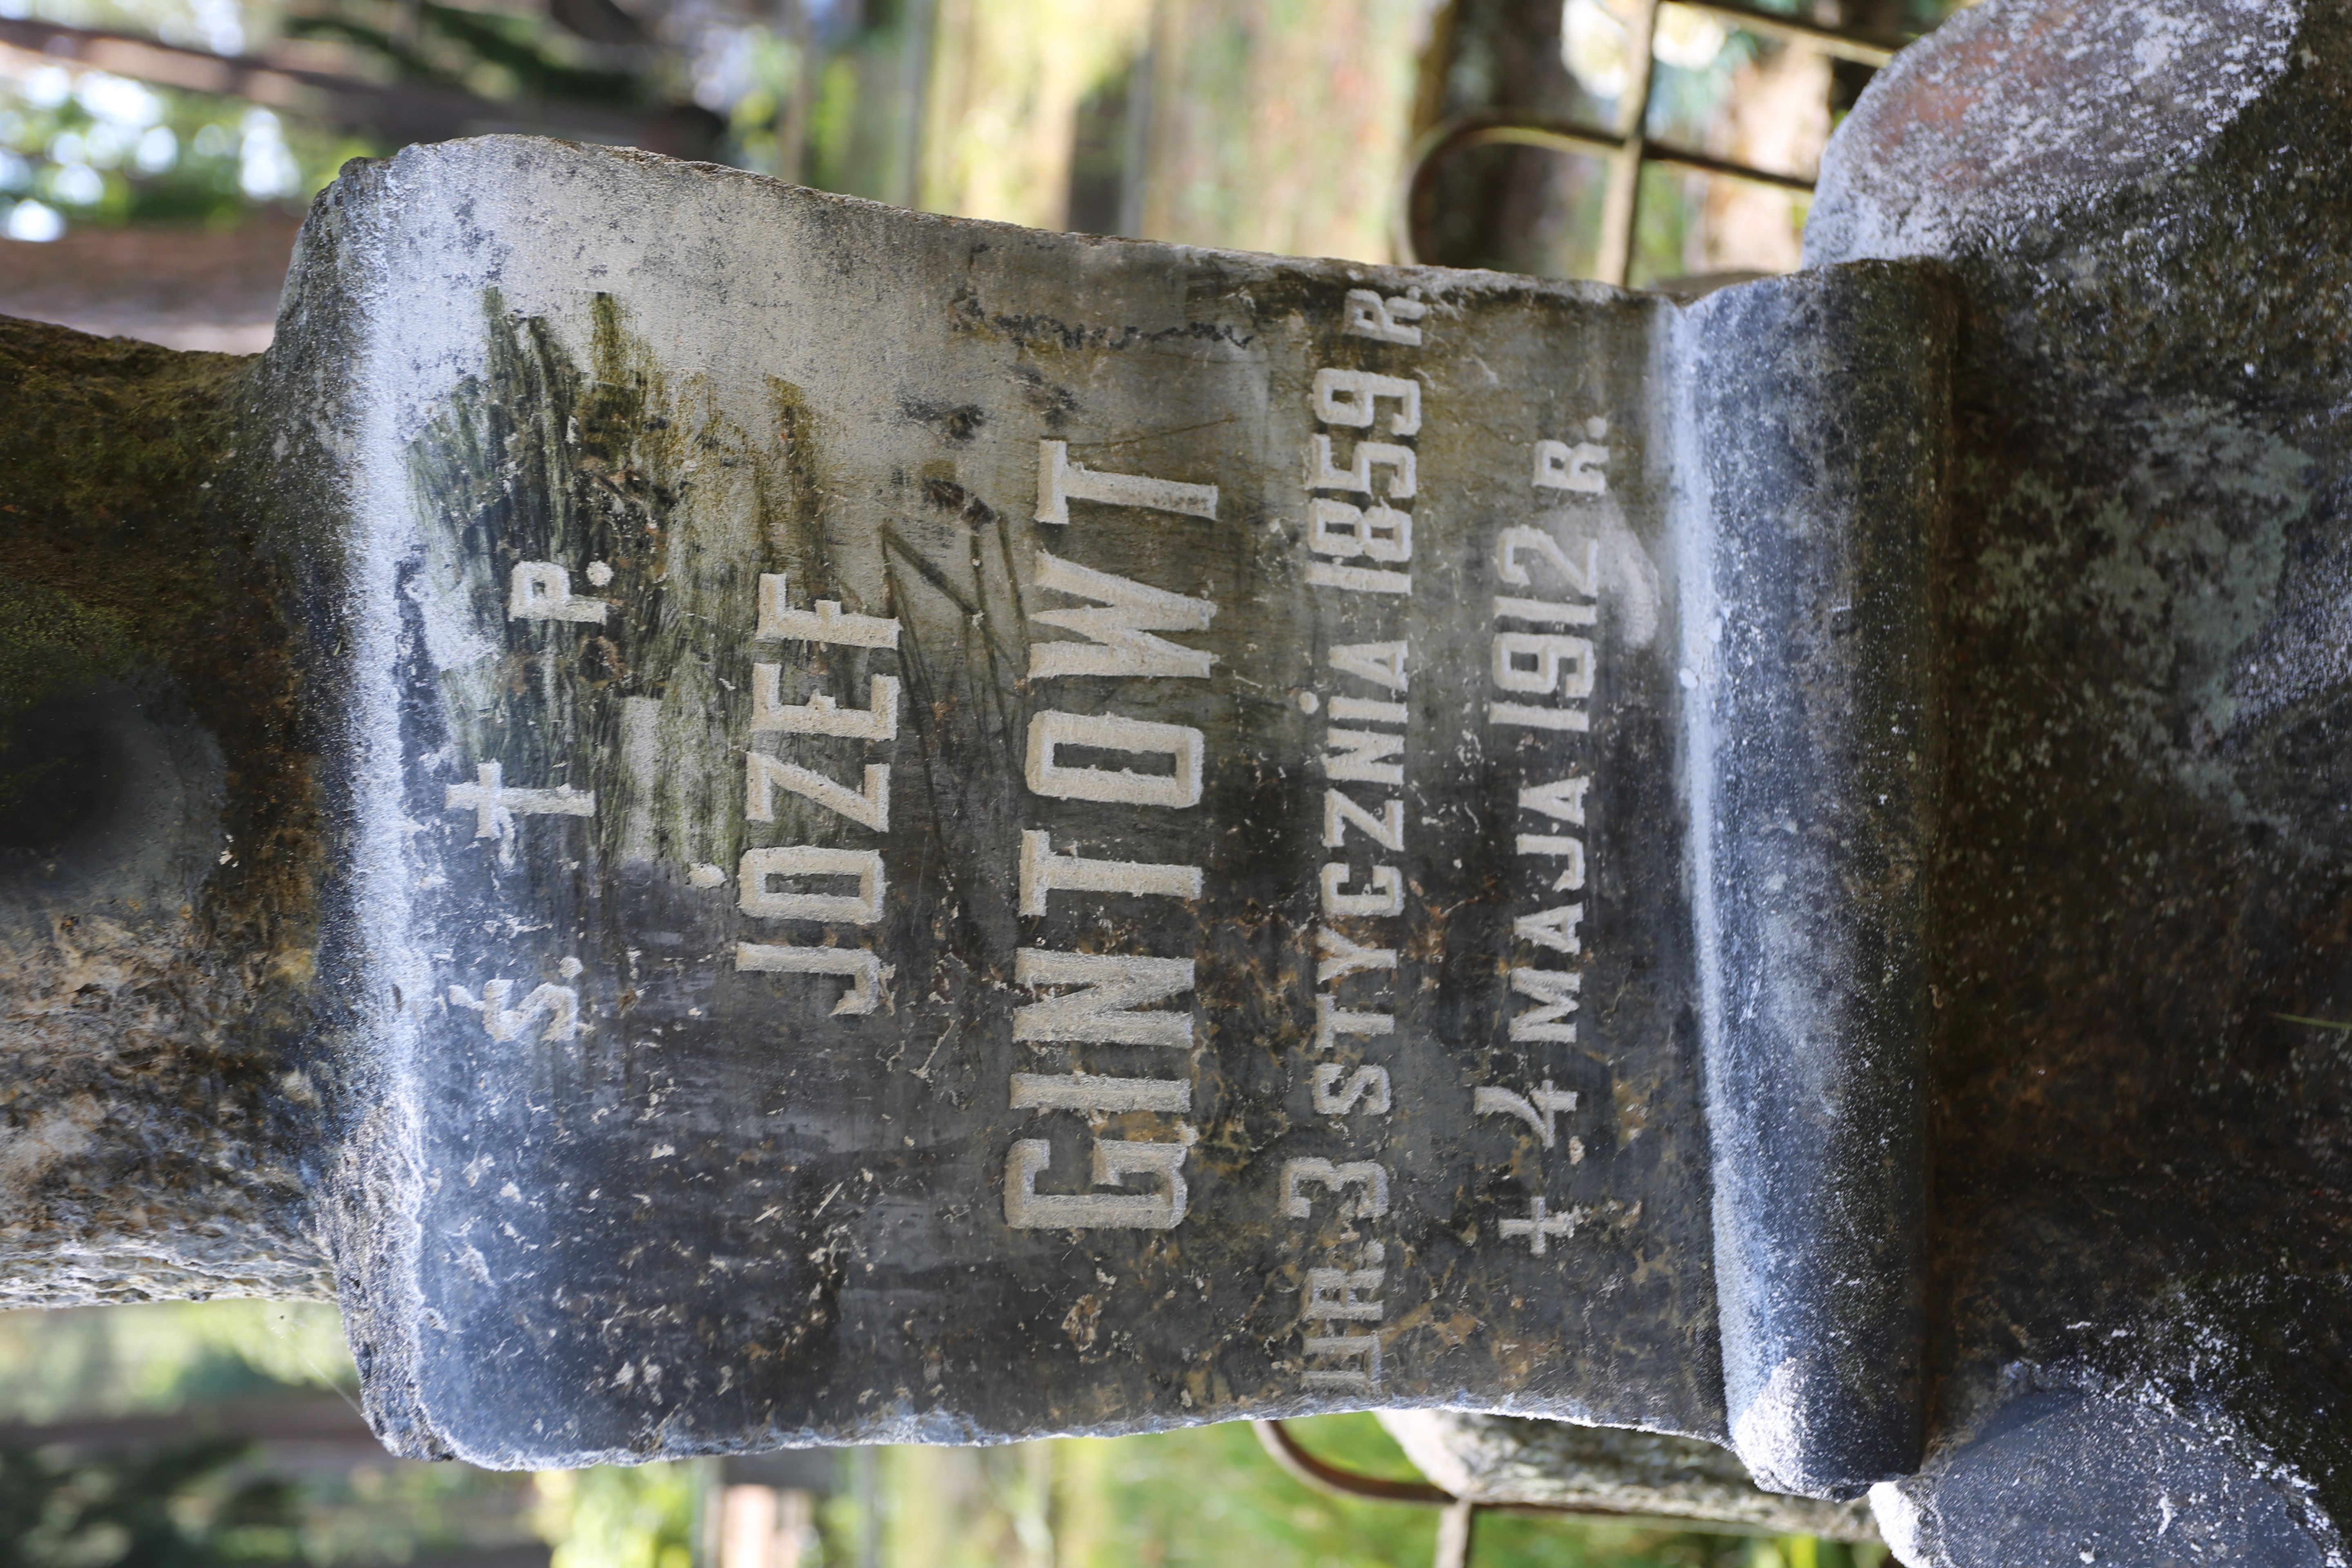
(1627, 147)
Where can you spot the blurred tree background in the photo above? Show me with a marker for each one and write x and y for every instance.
(154, 156)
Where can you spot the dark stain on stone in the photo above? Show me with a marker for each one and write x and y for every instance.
(957, 421)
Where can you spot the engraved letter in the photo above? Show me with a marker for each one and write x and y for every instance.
(1584, 579)
(1357, 754)
(1563, 799)
(821, 715)
(868, 808)
(1387, 897)
(1334, 1097)
(1357, 476)
(1367, 315)
(1558, 664)
(1381, 663)
(1561, 466)
(1331, 1020)
(1122, 641)
(1052, 729)
(1092, 1092)
(779, 622)
(863, 970)
(1369, 1204)
(1347, 396)
(761, 866)
(1537, 1109)
(1025, 1208)
(1557, 990)
(1060, 482)
(1339, 813)
(542, 591)
(1342, 958)
(1555, 929)
(1337, 528)
(1043, 872)
(1110, 985)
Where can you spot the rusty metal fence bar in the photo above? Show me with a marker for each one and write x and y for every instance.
(1627, 146)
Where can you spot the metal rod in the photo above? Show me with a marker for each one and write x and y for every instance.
(1620, 208)
(1457, 1529)
(1291, 1455)
(1628, 149)
(1845, 44)
(1461, 135)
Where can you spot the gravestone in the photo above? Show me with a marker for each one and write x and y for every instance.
(745, 819)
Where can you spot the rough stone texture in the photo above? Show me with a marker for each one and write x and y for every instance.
(156, 847)
(2142, 968)
(1502, 1459)
(1813, 756)
(687, 1204)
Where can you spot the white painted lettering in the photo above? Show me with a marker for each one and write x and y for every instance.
(1370, 1203)
(869, 808)
(1043, 872)
(1387, 897)
(779, 622)
(1115, 1162)
(1342, 1295)
(1553, 663)
(1093, 1093)
(1554, 928)
(1583, 577)
(1400, 461)
(1367, 315)
(542, 591)
(1337, 1090)
(1109, 984)
(1562, 466)
(1545, 613)
(1539, 1226)
(1339, 813)
(1572, 876)
(761, 867)
(1381, 663)
(495, 807)
(821, 715)
(1337, 528)
(1359, 711)
(1348, 397)
(1122, 643)
(1060, 482)
(1342, 957)
(1332, 1021)
(1536, 1108)
(1536, 717)
(1052, 729)
(1357, 754)
(863, 970)
(559, 1004)
(1562, 798)
(1358, 579)
(1365, 1348)
(1555, 990)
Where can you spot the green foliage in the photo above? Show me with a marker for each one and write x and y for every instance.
(620, 1517)
(165, 1356)
(177, 1505)
(102, 149)
(1209, 1495)
(495, 52)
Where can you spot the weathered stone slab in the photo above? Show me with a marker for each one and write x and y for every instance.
(2140, 1223)
(960, 833)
